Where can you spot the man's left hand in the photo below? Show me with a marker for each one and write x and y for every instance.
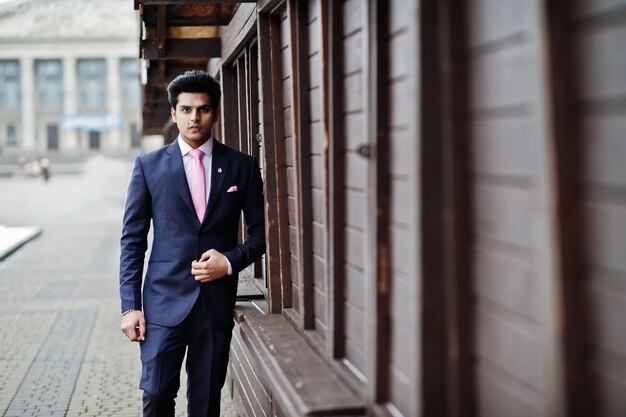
(211, 266)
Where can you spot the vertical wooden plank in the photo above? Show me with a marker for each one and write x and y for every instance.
(240, 65)
(242, 103)
(336, 175)
(547, 242)
(279, 134)
(319, 170)
(230, 110)
(379, 183)
(512, 186)
(590, 119)
(580, 386)
(459, 337)
(254, 123)
(270, 140)
(253, 104)
(434, 343)
(403, 396)
(298, 15)
(323, 13)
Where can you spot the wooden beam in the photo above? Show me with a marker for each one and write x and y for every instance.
(186, 32)
(239, 31)
(172, 69)
(268, 6)
(183, 48)
(161, 30)
(179, 2)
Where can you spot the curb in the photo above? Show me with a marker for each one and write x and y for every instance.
(13, 238)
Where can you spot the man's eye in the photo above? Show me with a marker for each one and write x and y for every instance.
(205, 109)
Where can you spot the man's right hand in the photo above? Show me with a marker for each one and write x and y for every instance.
(134, 326)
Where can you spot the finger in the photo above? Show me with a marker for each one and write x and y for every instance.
(142, 330)
(132, 334)
(206, 255)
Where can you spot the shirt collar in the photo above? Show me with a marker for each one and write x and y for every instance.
(207, 147)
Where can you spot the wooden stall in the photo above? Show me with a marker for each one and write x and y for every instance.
(445, 211)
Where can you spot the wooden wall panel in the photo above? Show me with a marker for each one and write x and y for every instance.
(403, 368)
(515, 348)
(599, 36)
(319, 189)
(290, 157)
(250, 387)
(353, 113)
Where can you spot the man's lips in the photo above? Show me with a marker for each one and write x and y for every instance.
(194, 127)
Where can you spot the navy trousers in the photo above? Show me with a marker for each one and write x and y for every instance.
(162, 356)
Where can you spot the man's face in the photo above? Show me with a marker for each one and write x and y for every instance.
(194, 117)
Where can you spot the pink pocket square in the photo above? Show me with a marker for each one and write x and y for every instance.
(232, 189)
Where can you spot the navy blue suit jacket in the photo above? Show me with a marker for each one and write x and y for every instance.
(158, 192)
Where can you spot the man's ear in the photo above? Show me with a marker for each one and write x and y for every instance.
(173, 113)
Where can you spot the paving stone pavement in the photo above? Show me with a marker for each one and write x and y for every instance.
(61, 350)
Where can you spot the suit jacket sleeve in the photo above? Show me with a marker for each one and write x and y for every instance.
(254, 215)
(134, 241)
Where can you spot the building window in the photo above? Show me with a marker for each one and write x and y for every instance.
(49, 82)
(129, 74)
(11, 135)
(92, 82)
(10, 92)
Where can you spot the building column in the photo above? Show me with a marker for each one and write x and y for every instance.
(114, 103)
(70, 138)
(29, 142)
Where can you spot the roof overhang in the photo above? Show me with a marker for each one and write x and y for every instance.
(177, 36)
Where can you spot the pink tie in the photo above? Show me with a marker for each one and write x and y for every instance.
(198, 183)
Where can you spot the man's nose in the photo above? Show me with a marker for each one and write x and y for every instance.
(194, 114)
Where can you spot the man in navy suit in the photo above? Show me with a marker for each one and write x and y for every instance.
(194, 204)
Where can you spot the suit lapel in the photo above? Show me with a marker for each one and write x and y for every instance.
(177, 171)
(219, 169)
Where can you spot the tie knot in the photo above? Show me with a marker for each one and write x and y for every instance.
(196, 154)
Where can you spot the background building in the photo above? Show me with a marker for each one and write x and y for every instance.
(69, 77)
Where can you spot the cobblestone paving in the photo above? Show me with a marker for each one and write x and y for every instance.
(61, 350)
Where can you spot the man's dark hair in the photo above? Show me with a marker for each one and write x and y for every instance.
(194, 81)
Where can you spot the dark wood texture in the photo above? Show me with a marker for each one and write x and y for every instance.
(182, 48)
(336, 172)
(155, 2)
(230, 106)
(272, 219)
(379, 182)
(298, 12)
(433, 319)
(268, 6)
(594, 201)
(290, 165)
(309, 389)
(239, 31)
(247, 378)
